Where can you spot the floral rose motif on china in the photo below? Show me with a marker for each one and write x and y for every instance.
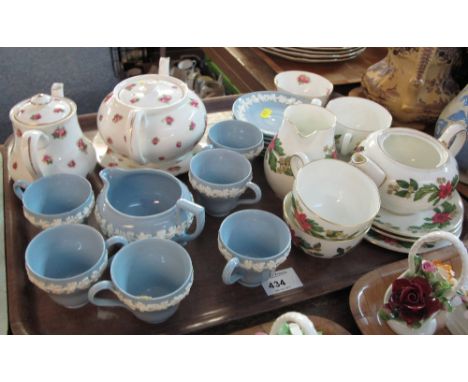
(330, 152)
(70, 287)
(19, 133)
(394, 242)
(304, 245)
(418, 295)
(71, 164)
(215, 193)
(82, 146)
(435, 192)
(311, 227)
(303, 79)
(155, 141)
(277, 159)
(77, 218)
(192, 126)
(36, 117)
(59, 110)
(47, 159)
(193, 102)
(117, 118)
(256, 266)
(130, 86)
(134, 100)
(443, 216)
(246, 102)
(168, 233)
(169, 120)
(143, 304)
(59, 133)
(165, 98)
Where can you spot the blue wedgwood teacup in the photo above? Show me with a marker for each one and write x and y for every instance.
(239, 136)
(149, 277)
(255, 243)
(219, 178)
(64, 261)
(55, 199)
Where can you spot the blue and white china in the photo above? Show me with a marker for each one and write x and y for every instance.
(315, 88)
(219, 178)
(264, 109)
(55, 199)
(238, 136)
(456, 112)
(254, 243)
(65, 261)
(143, 203)
(149, 277)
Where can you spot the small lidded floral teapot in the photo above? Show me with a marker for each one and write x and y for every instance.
(414, 171)
(48, 138)
(417, 301)
(152, 118)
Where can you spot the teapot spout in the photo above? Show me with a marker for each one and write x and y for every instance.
(369, 167)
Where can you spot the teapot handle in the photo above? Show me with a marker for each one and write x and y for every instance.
(31, 142)
(164, 66)
(136, 120)
(436, 236)
(57, 89)
(454, 138)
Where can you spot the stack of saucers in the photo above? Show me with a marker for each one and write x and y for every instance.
(331, 207)
(399, 232)
(312, 55)
(265, 110)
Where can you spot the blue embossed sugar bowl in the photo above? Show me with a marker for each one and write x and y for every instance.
(144, 203)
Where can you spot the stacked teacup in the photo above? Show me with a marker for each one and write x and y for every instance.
(330, 208)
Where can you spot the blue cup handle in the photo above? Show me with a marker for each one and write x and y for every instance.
(105, 302)
(199, 213)
(256, 198)
(115, 240)
(19, 187)
(229, 277)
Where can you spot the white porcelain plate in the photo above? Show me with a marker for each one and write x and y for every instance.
(403, 246)
(446, 217)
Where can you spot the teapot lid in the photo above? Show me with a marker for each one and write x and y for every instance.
(151, 91)
(43, 109)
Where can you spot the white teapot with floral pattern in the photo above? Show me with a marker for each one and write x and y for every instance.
(414, 171)
(48, 138)
(152, 118)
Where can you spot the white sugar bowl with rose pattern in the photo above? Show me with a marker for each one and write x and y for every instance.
(152, 118)
(414, 171)
(48, 138)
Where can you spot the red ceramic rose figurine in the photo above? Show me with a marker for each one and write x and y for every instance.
(414, 300)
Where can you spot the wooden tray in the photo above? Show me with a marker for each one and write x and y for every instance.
(210, 302)
(321, 324)
(366, 296)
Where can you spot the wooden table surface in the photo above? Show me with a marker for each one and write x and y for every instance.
(251, 69)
